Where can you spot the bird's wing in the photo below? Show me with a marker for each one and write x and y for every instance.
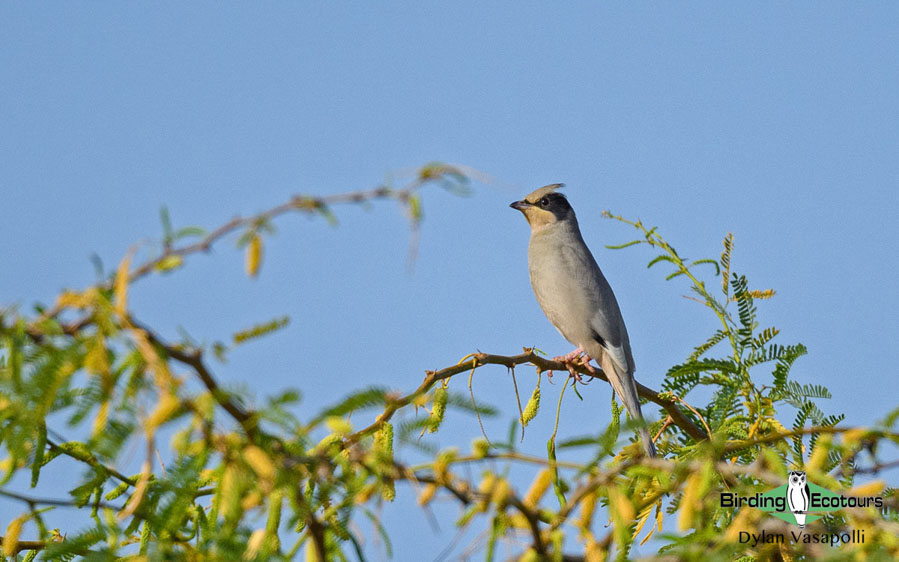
(606, 321)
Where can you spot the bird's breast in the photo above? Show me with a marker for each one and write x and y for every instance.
(558, 288)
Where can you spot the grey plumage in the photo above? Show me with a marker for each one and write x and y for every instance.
(575, 296)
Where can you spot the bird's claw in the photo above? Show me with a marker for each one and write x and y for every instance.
(587, 364)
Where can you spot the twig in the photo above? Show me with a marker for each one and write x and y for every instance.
(698, 415)
(876, 467)
(662, 429)
(474, 403)
(91, 460)
(27, 545)
(32, 501)
(297, 203)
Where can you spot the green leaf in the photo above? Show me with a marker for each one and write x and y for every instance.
(167, 235)
(625, 245)
(365, 398)
(785, 361)
(710, 262)
(82, 494)
(260, 330)
(707, 345)
(39, 449)
(463, 402)
(725, 262)
(702, 366)
(577, 442)
(658, 258)
(169, 263)
(189, 231)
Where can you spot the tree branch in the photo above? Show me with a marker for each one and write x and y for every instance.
(194, 360)
(306, 204)
(468, 495)
(479, 359)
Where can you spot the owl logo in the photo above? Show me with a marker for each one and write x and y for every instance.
(798, 496)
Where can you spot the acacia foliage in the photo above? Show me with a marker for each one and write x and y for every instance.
(261, 483)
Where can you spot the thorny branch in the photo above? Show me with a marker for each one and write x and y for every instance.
(194, 360)
(678, 417)
(306, 204)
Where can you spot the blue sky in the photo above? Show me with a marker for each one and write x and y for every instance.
(775, 122)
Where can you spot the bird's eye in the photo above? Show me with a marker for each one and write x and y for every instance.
(544, 202)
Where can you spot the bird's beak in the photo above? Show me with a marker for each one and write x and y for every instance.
(520, 205)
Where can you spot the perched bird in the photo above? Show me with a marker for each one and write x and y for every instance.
(576, 297)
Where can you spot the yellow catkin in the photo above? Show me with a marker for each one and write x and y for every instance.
(338, 425)
(595, 552)
(486, 485)
(439, 409)
(500, 492)
(254, 255)
(168, 405)
(480, 447)
(519, 521)
(388, 490)
(744, 521)
(254, 545)
(530, 411)
(121, 286)
(485, 489)
(11, 539)
(819, 454)
(384, 440)
(588, 506)
(260, 462)
(384, 448)
(695, 488)
(427, 494)
(538, 488)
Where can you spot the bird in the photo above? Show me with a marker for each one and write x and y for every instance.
(576, 298)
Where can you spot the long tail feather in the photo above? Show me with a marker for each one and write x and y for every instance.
(625, 387)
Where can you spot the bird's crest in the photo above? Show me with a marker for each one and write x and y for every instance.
(543, 191)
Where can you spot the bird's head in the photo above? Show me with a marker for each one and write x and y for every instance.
(545, 207)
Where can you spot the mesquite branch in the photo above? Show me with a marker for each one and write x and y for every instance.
(678, 417)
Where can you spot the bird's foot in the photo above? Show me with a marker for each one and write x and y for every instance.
(570, 357)
(576, 357)
(585, 361)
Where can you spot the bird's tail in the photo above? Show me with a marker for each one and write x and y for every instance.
(625, 387)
